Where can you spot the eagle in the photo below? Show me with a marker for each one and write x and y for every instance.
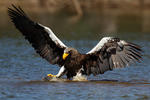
(108, 54)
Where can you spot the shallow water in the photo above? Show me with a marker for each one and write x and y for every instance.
(22, 70)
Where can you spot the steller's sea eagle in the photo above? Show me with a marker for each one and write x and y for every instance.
(108, 54)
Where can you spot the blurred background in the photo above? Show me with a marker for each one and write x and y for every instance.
(83, 16)
(79, 24)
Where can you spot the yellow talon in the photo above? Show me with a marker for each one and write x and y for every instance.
(51, 75)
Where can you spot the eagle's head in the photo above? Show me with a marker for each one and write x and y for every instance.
(69, 51)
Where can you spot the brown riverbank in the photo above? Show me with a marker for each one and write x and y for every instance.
(106, 18)
(78, 6)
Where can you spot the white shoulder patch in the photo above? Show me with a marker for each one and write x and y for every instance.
(123, 42)
(100, 44)
(53, 36)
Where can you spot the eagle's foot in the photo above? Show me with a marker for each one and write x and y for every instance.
(51, 75)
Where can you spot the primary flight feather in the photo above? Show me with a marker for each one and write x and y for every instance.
(108, 54)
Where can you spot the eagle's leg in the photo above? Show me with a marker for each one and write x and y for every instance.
(60, 73)
(80, 75)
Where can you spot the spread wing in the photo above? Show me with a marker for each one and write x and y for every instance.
(41, 37)
(111, 53)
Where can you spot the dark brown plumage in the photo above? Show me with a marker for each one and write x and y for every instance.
(108, 54)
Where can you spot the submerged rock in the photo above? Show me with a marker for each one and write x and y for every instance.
(77, 78)
(47, 78)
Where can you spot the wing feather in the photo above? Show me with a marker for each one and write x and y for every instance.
(112, 53)
(41, 37)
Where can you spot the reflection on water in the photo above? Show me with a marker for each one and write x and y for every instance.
(20, 66)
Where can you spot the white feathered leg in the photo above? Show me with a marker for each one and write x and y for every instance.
(79, 76)
(61, 72)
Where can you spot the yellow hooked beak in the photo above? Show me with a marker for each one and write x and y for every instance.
(65, 55)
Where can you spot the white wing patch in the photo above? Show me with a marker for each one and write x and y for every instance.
(123, 42)
(100, 44)
(53, 36)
